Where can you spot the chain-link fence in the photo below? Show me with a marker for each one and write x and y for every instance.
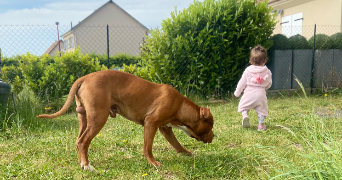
(312, 54)
(37, 40)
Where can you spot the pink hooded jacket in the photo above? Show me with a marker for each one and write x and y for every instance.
(255, 81)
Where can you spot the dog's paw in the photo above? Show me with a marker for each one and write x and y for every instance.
(87, 167)
(189, 153)
(186, 152)
(156, 164)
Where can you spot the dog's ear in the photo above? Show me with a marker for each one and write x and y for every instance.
(204, 112)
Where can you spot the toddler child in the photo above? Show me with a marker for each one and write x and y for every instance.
(255, 80)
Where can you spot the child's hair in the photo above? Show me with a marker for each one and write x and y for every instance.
(258, 55)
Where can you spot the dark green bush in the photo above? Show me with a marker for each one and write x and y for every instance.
(280, 42)
(186, 51)
(322, 42)
(336, 40)
(299, 42)
(9, 61)
(14, 76)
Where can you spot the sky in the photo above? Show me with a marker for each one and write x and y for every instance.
(29, 25)
(45, 12)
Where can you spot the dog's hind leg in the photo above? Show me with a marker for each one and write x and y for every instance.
(171, 138)
(95, 121)
(82, 118)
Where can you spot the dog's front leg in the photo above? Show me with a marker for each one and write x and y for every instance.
(171, 138)
(150, 130)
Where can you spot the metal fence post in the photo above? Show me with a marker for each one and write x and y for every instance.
(107, 47)
(0, 62)
(313, 61)
(220, 90)
(292, 57)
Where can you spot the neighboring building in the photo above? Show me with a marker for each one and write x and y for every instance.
(126, 34)
(300, 16)
(54, 48)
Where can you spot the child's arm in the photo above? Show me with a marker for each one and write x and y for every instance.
(241, 85)
(269, 84)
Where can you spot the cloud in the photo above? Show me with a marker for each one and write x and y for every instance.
(64, 12)
(41, 16)
(74, 6)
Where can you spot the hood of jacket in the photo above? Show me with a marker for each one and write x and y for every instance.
(257, 75)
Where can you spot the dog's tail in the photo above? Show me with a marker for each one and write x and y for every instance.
(72, 93)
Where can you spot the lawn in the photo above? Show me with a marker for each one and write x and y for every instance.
(302, 140)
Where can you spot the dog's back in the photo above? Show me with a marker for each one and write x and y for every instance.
(133, 97)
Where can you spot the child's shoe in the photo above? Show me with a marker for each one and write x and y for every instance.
(245, 121)
(261, 127)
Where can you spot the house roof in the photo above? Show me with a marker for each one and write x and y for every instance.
(110, 1)
(53, 45)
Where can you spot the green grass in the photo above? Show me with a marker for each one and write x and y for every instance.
(303, 141)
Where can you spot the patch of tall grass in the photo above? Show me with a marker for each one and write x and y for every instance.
(20, 111)
(320, 149)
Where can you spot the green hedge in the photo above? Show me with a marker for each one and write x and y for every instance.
(9, 61)
(118, 60)
(336, 41)
(299, 42)
(280, 42)
(186, 51)
(49, 78)
(322, 42)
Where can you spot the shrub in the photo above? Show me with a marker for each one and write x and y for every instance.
(322, 42)
(280, 42)
(9, 61)
(186, 51)
(50, 79)
(118, 60)
(336, 41)
(299, 42)
(137, 70)
(57, 78)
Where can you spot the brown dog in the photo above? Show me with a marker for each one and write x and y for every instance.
(152, 105)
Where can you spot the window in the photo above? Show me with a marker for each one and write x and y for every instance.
(67, 44)
(292, 25)
(72, 42)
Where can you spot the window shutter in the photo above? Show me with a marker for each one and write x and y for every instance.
(297, 22)
(286, 24)
(292, 25)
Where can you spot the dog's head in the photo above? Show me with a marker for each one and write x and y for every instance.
(202, 131)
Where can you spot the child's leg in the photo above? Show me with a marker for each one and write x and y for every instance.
(244, 113)
(261, 119)
(245, 119)
(261, 126)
